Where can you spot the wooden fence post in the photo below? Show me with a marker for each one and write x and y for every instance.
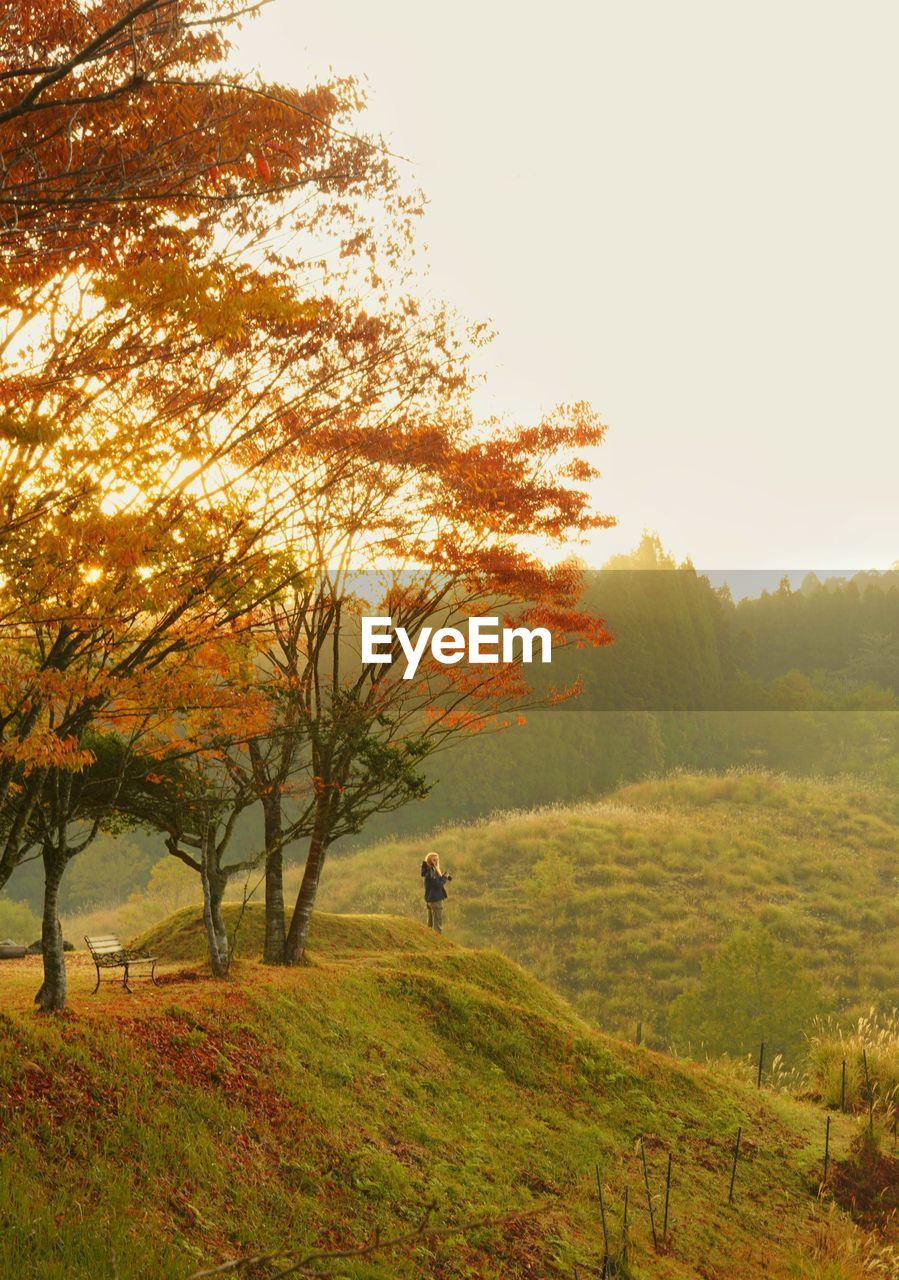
(652, 1219)
(733, 1172)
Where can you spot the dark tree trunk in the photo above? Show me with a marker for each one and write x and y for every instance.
(52, 995)
(298, 934)
(274, 882)
(216, 935)
(22, 807)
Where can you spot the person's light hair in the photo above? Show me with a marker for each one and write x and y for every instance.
(434, 860)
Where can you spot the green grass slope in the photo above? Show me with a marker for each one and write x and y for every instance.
(156, 1135)
(182, 936)
(616, 904)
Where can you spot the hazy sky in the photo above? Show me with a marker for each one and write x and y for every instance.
(687, 214)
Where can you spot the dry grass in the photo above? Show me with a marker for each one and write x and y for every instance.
(874, 1039)
(617, 904)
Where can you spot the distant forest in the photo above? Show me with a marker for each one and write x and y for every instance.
(803, 680)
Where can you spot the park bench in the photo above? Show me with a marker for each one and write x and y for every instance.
(108, 953)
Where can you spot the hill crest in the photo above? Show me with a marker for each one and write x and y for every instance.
(311, 1106)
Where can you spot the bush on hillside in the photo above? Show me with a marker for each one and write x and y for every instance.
(18, 922)
(752, 990)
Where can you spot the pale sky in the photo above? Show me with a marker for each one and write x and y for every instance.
(685, 213)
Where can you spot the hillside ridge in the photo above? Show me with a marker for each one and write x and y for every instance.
(620, 902)
(209, 1120)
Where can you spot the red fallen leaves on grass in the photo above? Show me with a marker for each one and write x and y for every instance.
(63, 1092)
(199, 1053)
(179, 975)
(519, 1241)
(867, 1186)
(201, 1047)
(210, 1053)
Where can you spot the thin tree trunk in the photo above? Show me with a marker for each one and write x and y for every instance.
(216, 934)
(274, 882)
(52, 995)
(298, 934)
(23, 808)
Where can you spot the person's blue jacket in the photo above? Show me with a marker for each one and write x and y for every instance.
(434, 882)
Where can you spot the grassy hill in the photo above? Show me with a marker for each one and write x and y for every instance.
(158, 1134)
(617, 904)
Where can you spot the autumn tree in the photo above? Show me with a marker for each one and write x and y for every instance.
(430, 535)
(195, 397)
(124, 128)
(195, 801)
(72, 809)
(128, 142)
(343, 739)
(161, 351)
(108, 595)
(323, 727)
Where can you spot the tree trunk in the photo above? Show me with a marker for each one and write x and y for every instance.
(22, 807)
(52, 994)
(216, 935)
(274, 882)
(298, 933)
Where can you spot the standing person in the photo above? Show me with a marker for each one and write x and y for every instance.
(435, 893)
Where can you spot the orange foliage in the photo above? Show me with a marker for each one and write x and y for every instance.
(198, 446)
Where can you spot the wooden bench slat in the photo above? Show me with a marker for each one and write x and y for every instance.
(114, 947)
(107, 952)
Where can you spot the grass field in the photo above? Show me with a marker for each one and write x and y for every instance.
(155, 1134)
(617, 904)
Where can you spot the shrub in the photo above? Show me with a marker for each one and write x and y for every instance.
(18, 922)
(751, 990)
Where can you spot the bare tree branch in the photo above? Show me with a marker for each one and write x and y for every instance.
(301, 1263)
